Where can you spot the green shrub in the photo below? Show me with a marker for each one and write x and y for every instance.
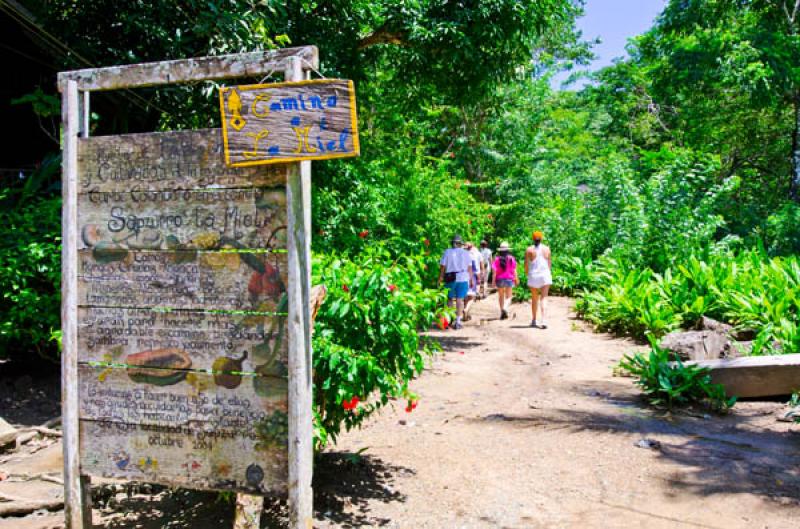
(366, 339)
(667, 383)
(30, 272)
(782, 231)
(748, 290)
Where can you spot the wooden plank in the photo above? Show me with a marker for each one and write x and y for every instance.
(248, 511)
(193, 456)
(188, 159)
(183, 280)
(179, 398)
(73, 490)
(112, 335)
(187, 70)
(281, 122)
(301, 435)
(172, 219)
(756, 376)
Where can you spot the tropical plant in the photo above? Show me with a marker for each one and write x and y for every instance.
(367, 345)
(669, 382)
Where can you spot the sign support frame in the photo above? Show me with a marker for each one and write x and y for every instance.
(76, 87)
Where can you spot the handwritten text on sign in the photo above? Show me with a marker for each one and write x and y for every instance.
(182, 303)
(282, 122)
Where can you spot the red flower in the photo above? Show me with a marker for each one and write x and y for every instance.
(412, 405)
(443, 323)
(392, 288)
(426, 242)
(461, 352)
(452, 155)
(345, 288)
(363, 234)
(469, 221)
(350, 404)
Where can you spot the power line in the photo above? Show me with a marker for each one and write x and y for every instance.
(22, 19)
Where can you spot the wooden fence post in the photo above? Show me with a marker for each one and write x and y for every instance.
(301, 450)
(75, 513)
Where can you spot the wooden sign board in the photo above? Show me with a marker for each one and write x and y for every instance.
(181, 321)
(282, 122)
(186, 283)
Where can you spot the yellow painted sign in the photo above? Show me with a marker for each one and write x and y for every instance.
(285, 122)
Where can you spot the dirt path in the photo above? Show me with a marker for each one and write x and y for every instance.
(528, 428)
(517, 428)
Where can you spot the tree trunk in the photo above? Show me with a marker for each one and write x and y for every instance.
(794, 190)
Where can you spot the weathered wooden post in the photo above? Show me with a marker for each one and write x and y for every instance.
(301, 433)
(186, 281)
(73, 487)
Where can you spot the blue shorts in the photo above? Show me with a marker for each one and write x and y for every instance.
(457, 289)
(505, 283)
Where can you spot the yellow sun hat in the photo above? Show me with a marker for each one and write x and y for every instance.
(538, 235)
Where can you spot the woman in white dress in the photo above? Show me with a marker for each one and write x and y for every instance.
(537, 269)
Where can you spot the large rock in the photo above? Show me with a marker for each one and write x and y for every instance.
(712, 340)
(8, 434)
(697, 345)
(710, 324)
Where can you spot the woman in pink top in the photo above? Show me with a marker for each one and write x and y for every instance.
(505, 277)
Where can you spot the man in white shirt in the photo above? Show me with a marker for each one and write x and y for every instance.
(455, 270)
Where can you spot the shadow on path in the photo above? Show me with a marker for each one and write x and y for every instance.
(452, 341)
(343, 480)
(717, 455)
(175, 508)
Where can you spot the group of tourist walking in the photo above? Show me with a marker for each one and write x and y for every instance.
(468, 272)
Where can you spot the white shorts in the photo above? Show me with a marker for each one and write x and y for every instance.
(539, 281)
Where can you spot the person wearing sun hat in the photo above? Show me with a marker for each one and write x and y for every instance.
(538, 265)
(505, 277)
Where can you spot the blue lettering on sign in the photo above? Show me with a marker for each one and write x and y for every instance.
(343, 139)
(330, 137)
(300, 103)
(290, 103)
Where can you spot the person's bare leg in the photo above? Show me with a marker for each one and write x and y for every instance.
(543, 303)
(509, 295)
(501, 293)
(534, 302)
(469, 301)
(459, 308)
